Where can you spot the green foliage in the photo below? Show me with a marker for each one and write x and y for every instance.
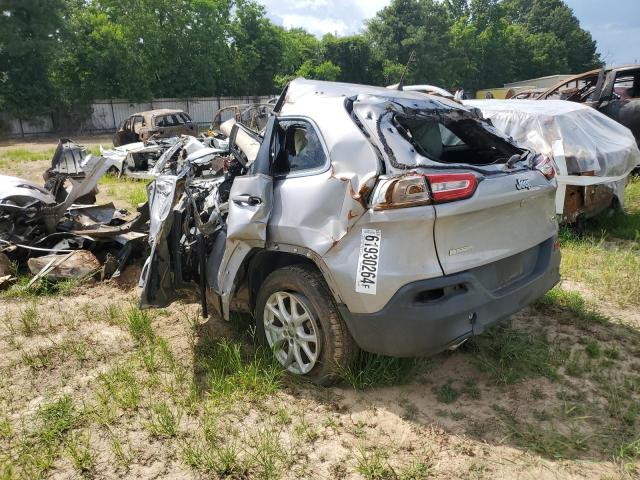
(72, 52)
(29, 32)
(324, 71)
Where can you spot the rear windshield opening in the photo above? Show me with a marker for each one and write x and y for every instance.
(455, 141)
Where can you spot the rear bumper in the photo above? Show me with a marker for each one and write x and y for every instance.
(428, 316)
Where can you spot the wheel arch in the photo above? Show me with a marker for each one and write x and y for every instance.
(265, 261)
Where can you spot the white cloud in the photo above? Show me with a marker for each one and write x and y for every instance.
(344, 17)
(315, 25)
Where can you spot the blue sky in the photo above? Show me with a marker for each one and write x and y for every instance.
(615, 24)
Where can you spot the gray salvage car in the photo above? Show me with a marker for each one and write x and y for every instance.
(369, 218)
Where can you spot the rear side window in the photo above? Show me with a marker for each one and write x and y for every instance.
(454, 141)
(300, 148)
(185, 118)
(168, 121)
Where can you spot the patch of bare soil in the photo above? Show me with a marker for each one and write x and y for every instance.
(452, 419)
(627, 316)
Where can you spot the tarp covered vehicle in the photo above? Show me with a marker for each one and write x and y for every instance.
(594, 154)
(390, 221)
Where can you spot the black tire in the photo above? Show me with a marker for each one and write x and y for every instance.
(338, 350)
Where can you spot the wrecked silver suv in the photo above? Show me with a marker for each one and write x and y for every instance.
(371, 219)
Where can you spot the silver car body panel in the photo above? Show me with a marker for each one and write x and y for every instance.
(246, 228)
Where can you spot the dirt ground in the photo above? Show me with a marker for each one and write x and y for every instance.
(90, 387)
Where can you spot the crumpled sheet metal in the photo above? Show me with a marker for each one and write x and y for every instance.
(18, 187)
(327, 217)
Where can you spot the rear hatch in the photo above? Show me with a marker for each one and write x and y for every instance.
(493, 199)
(508, 214)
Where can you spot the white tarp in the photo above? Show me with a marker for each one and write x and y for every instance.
(588, 140)
(579, 138)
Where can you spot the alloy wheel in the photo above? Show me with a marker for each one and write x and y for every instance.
(292, 331)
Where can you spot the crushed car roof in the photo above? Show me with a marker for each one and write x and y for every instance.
(302, 89)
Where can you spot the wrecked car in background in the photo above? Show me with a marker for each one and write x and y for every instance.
(252, 115)
(162, 123)
(614, 92)
(35, 220)
(146, 160)
(593, 153)
(389, 221)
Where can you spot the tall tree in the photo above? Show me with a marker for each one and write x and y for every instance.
(29, 36)
(257, 47)
(555, 17)
(355, 57)
(420, 26)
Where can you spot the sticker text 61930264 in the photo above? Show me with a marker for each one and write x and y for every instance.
(367, 273)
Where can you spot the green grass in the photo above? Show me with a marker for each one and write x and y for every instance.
(546, 441)
(9, 158)
(29, 320)
(606, 258)
(140, 327)
(56, 419)
(78, 450)
(583, 312)
(120, 386)
(43, 287)
(229, 373)
(371, 370)
(131, 190)
(31, 454)
(446, 393)
(164, 420)
(610, 271)
(621, 224)
(372, 463)
(509, 355)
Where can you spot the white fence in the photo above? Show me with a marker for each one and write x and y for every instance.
(106, 115)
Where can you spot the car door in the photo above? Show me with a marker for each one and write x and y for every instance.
(137, 126)
(250, 205)
(124, 135)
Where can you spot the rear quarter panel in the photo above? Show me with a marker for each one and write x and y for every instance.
(407, 254)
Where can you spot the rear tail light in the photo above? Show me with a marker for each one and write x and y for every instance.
(447, 187)
(546, 166)
(399, 192)
(416, 189)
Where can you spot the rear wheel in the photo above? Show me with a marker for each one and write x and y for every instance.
(296, 316)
